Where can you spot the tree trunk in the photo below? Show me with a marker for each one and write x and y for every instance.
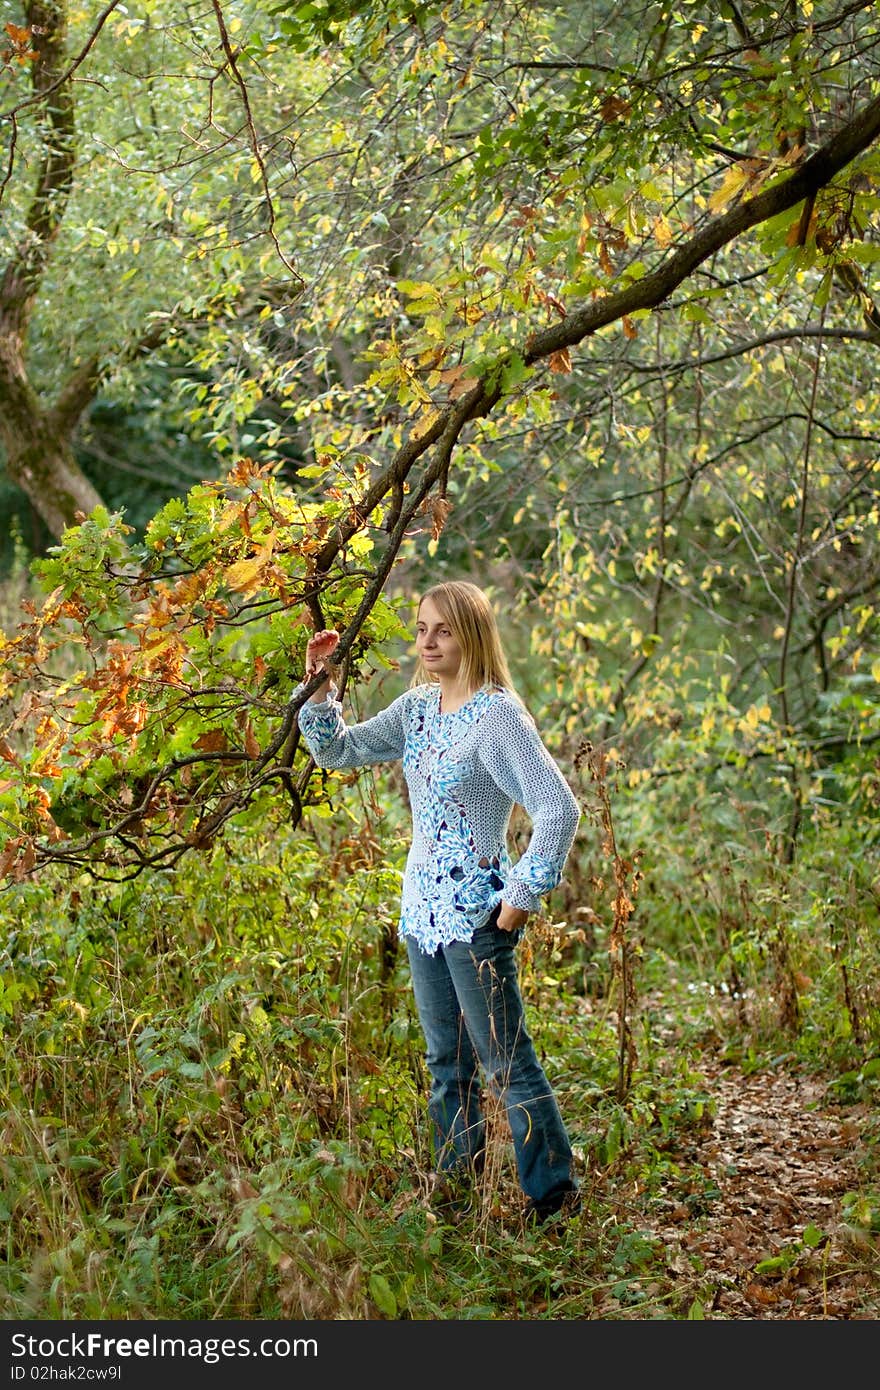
(39, 457)
(36, 438)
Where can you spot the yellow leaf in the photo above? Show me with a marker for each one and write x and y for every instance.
(662, 231)
(424, 423)
(735, 180)
(244, 575)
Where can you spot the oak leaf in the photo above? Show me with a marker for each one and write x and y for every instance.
(10, 855)
(244, 575)
(425, 423)
(7, 753)
(614, 108)
(212, 741)
(440, 509)
(662, 231)
(560, 361)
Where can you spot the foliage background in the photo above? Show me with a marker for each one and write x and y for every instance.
(302, 309)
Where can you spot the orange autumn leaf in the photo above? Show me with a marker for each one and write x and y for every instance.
(629, 328)
(20, 38)
(560, 361)
(7, 753)
(245, 471)
(212, 741)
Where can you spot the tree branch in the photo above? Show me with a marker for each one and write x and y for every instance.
(254, 139)
(815, 173)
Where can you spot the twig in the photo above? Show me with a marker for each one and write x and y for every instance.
(255, 143)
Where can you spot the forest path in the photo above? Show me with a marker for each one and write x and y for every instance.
(769, 1174)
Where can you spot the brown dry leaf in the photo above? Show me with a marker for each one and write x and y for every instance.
(462, 386)
(7, 753)
(212, 741)
(458, 381)
(614, 109)
(9, 855)
(760, 1293)
(560, 361)
(251, 747)
(26, 862)
(797, 237)
(629, 328)
(244, 1189)
(440, 509)
(555, 303)
(526, 213)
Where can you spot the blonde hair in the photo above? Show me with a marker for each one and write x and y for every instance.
(472, 623)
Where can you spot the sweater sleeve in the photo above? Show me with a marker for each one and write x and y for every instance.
(333, 743)
(522, 767)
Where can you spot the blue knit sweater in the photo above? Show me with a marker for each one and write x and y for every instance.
(464, 771)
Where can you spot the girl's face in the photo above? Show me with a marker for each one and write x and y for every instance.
(438, 649)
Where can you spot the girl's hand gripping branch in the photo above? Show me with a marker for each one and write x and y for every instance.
(319, 650)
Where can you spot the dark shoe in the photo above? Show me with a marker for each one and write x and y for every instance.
(554, 1209)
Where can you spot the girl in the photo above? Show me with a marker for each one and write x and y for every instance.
(470, 751)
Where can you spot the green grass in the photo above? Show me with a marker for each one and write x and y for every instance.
(212, 1099)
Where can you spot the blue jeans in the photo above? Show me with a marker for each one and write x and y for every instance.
(471, 1012)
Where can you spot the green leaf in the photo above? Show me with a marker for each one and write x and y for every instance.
(513, 372)
(382, 1295)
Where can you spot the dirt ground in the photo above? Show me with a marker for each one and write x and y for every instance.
(768, 1238)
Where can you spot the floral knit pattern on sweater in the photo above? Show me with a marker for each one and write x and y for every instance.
(464, 771)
